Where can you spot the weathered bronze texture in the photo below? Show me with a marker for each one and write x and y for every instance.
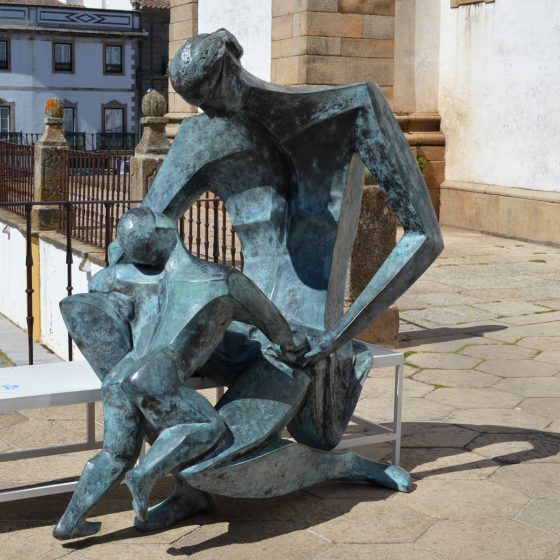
(289, 165)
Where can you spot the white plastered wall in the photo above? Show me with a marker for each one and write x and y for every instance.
(498, 93)
(13, 299)
(53, 288)
(250, 21)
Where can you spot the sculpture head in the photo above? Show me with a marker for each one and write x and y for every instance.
(146, 237)
(205, 71)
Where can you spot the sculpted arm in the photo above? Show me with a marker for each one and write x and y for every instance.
(180, 180)
(257, 310)
(384, 150)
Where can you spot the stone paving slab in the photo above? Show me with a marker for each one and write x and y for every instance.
(481, 436)
(13, 347)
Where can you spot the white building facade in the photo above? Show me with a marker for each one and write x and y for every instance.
(87, 57)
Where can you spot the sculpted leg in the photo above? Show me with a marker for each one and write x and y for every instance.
(187, 424)
(121, 446)
(184, 502)
(99, 328)
(336, 384)
(256, 408)
(285, 467)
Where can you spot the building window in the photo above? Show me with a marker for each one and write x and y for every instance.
(69, 119)
(113, 59)
(5, 119)
(4, 55)
(113, 120)
(63, 59)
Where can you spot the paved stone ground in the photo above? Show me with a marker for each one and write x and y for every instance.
(481, 331)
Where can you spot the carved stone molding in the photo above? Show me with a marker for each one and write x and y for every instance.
(457, 3)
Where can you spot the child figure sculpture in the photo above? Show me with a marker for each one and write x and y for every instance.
(196, 302)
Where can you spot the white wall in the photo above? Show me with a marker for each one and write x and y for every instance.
(13, 299)
(31, 67)
(250, 21)
(101, 4)
(53, 288)
(498, 96)
(417, 38)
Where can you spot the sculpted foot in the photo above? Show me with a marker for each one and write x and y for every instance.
(395, 478)
(140, 490)
(388, 476)
(184, 502)
(64, 531)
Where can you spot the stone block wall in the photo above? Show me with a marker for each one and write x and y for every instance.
(427, 143)
(333, 42)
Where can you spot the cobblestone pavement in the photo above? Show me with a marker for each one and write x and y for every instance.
(481, 332)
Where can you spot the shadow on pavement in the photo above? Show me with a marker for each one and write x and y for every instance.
(254, 520)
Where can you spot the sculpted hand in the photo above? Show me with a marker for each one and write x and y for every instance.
(322, 350)
(293, 354)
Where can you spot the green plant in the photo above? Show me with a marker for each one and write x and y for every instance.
(422, 161)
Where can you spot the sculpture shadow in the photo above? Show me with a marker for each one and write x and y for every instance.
(429, 335)
(243, 521)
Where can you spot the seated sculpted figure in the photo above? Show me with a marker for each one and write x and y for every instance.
(289, 165)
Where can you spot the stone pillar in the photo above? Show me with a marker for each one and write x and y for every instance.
(47, 177)
(183, 23)
(333, 42)
(153, 146)
(375, 238)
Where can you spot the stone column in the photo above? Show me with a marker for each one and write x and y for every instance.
(183, 23)
(375, 239)
(47, 177)
(333, 42)
(153, 146)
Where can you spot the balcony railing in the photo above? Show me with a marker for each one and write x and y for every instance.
(115, 141)
(20, 138)
(121, 142)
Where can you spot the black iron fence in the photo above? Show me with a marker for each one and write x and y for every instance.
(20, 138)
(66, 208)
(91, 176)
(114, 141)
(119, 142)
(207, 232)
(16, 175)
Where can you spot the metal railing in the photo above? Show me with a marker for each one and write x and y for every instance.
(76, 140)
(16, 175)
(20, 138)
(90, 176)
(66, 208)
(207, 232)
(114, 141)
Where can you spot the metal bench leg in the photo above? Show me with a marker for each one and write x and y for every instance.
(90, 421)
(399, 374)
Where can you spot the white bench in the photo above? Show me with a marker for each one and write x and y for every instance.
(45, 385)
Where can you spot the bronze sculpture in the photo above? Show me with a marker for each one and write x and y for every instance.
(287, 162)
